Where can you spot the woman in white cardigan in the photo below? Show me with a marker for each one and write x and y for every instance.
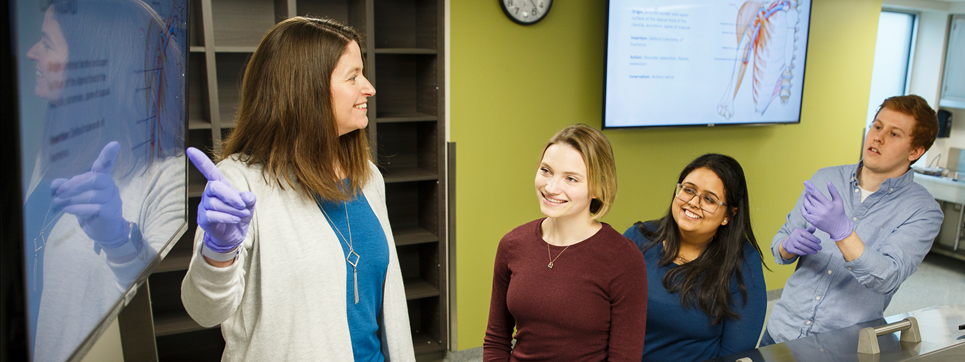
(312, 272)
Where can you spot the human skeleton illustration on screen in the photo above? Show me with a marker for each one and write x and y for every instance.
(766, 37)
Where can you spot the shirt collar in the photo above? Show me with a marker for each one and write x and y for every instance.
(890, 184)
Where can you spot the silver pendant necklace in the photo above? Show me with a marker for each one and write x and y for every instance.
(42, 238)
(351, 250)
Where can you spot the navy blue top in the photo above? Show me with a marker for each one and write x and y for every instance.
(370, 244)
(675, 333)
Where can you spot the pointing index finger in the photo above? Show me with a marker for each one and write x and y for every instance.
(204, 164)
(105, 160)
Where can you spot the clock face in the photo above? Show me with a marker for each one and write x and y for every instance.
(526, 12)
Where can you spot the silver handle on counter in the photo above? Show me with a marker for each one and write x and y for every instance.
(868, 337)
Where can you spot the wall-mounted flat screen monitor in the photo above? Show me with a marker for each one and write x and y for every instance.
(101, 105)
(704, 62)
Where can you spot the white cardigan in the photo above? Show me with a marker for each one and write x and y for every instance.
(284, 297)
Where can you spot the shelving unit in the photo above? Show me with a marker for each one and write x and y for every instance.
(403, 47)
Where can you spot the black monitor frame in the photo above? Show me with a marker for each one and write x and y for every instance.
(14, 344)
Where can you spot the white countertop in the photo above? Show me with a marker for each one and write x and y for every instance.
(943, 188)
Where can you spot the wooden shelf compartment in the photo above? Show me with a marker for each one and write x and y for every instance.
(405, 51)
(239, 23)
(176, 260)
(231, 71)
(412, 235)
(426, 325)
(347, 12)
(174, 323)
(195, 123)
(407, 24)
(401, 117)
(196, 182)
(200, 345)
(416, 288)
(421, 269)
(170, 317)
(196, 49)
(245, 49)
(195, 35)
(408, 175)
(414, 205)
(407, 84)
(167, 284)
(407, 151)
(424, 344)
(199, 113)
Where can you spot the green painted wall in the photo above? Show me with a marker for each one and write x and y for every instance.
(513, 87)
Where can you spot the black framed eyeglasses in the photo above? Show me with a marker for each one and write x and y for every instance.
(706, 202)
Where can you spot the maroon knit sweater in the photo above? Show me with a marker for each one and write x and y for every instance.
(591, 306)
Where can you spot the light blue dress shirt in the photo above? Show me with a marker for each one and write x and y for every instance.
(897, 224)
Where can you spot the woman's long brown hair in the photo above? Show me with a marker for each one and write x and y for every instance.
(285, 117)
(705, 282)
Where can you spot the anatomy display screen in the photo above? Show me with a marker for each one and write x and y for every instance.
(101, 106)
(704, 62)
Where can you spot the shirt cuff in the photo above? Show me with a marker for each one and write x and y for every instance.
(216, 256)
(866, 264)
(129, 248)
(780, 259)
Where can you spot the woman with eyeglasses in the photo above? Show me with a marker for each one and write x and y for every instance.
(706, 296)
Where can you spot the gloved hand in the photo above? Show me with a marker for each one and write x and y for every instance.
(826, 215)
(802, 242)
(94, 198)
(224, 213)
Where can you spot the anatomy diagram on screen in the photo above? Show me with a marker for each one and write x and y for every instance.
(766, 38)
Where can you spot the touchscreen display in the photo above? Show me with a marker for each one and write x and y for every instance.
(102, 106)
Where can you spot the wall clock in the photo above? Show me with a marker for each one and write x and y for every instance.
(526, 12)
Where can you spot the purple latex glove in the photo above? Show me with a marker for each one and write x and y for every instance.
(224, 213)
(802, 242)
(826, 215)
(94, 198)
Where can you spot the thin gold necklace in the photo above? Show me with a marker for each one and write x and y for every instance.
(552, 259)
(351, 250)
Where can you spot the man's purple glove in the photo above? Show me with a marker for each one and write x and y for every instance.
(224, 213)
(94, 198)
(802, 242)
(826, 215)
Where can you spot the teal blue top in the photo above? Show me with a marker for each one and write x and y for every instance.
(371, 247)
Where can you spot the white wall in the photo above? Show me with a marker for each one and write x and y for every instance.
(926, 72)
(927, 66)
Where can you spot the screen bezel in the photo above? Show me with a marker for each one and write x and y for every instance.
(13, 311)
(14, 266)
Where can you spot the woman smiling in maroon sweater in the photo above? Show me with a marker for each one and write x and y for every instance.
(572, 287)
